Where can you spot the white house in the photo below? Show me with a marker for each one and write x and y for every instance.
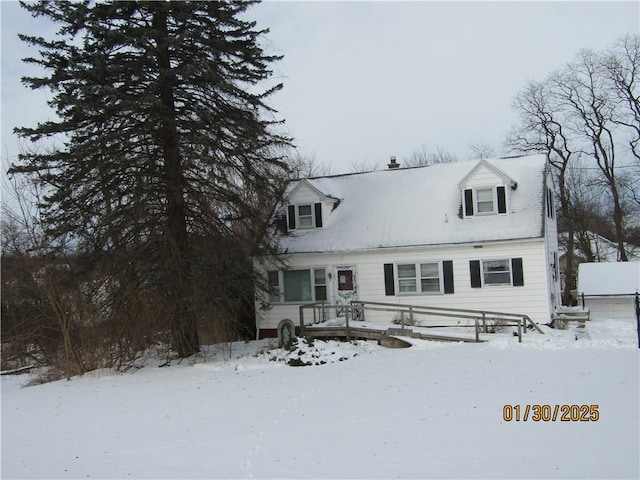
(474, 235)
(609, 290)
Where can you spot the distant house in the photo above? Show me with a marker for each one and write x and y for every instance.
(475, 235)
(609, 290)
(589, 247)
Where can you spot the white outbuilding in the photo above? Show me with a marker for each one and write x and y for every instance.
(609, 290)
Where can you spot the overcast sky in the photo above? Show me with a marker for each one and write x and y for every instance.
(367, 80)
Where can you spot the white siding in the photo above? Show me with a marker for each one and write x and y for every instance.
(551, 252)
(304, 194)
(531, 299)
(484, 177)
(604, 308)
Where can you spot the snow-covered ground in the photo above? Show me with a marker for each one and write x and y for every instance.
(434, 410)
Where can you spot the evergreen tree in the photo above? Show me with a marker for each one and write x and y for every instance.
(166, 137)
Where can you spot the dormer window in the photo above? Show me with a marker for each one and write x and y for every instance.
(485, 201)
(304, 216)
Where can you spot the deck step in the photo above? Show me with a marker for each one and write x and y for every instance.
(562, 318)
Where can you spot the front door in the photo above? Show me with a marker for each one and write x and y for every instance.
(346, 288)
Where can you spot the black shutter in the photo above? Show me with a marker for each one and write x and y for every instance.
(318, 207)
(468, 202)
(389, 284)
(474, 269)
(292, 217)
(502, 200)
(516, 272)
(447, 272)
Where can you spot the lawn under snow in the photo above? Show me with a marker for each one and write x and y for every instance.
(434, 410)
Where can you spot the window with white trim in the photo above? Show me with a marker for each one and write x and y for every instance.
(273, 280)
(305, 216)
(484, 201)
(320, 284)
(419, 277)
(305, 285)
(496, 272)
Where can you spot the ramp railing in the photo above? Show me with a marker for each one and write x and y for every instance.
(482, 319)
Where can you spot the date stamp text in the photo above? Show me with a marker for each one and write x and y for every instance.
(550, 413)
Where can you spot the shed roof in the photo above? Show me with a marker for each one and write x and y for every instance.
(419, 206)
(611, 278)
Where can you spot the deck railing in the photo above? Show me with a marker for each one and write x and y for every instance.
(481, 318)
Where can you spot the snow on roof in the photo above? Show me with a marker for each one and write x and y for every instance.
(613, 278)
(420, 206)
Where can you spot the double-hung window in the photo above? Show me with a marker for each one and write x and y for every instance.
(495, 272)
(305, 285)
(304, 216)
(485, 201)
(320, 284)
(419, 277)
(273, 278)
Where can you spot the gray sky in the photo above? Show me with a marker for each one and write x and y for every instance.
(367, 80)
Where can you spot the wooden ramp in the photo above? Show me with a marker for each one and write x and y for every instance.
(382, 335)
(482, 320)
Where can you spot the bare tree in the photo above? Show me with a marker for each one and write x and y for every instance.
(481, 150)
(423, 156)
(307, 166)
(541, 129)
(622, 68)
(363, 166)
(587, 111)
(585, 94)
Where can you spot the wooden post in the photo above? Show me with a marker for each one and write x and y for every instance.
(519, 331)
(484, 322)
(347, 310)
(302, 320)
(410, 315)
(477, 330)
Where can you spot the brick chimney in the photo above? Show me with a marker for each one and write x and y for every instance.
(393, 164)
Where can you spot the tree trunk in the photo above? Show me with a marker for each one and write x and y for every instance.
(565, 206)
(618, 221)
(184, 331)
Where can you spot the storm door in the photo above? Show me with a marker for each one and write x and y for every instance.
(346, 288)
